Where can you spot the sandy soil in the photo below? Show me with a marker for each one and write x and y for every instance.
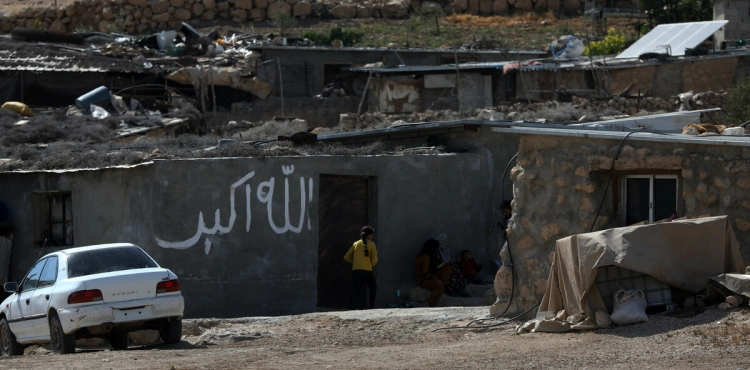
(403, 339)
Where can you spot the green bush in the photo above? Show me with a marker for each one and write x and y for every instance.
(348, 36)
(736, 103)
(613, 43)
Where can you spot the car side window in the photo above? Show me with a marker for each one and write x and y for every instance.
(32, 278)
(49, 273)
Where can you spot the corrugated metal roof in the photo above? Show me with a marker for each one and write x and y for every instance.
(400, 50)
(673, 39)
(440, 68)
(40, 57)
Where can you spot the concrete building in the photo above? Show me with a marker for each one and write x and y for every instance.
(737, 12)
(254, 236)
(306, 70)
(266, 236)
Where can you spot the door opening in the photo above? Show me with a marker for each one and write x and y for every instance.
(343, 208)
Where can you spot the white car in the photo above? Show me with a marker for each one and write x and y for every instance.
(103, 291)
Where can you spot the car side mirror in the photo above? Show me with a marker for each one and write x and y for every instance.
(11, 287)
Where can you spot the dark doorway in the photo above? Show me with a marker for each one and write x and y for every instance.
(343, 208)
(333, 73)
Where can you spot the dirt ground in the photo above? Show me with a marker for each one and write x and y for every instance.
(403, 339)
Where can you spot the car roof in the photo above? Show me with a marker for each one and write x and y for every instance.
(95, 247)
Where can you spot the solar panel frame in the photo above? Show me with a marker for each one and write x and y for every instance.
(673, 38)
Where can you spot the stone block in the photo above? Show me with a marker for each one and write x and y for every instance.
(244, 4)
(240, 14)
(302, 10)
(485, 7)
(159, 6)
(571, 4)
(182, 14)
(198, 9)
(526, 5)
(500, 6)
(279, 7)
(553, 5)
(364, 12)
(107, 13)
(177, 3)
(461, 5)
(209, 4)
(743, 183)
(742, 224)
(261, 4)
(395, 9)
(258, 14)
(163, 17)
(343, 11)
(548, 231)
(209, 15)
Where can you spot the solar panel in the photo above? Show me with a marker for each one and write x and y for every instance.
(673, 38)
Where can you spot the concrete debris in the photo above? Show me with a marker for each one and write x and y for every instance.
(735, 300)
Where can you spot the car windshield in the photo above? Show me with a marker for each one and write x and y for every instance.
(98, 261)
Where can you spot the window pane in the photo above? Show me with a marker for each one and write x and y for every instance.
(665, 198)
(637, 199)
(32, 278)
(98, 261)
(49, 274)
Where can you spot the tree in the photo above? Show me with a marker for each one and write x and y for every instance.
(736, 103)
(432, 13)
(283, 20)
(676, 11)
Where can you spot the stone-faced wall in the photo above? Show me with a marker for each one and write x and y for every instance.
(559, 182)
(140, 16)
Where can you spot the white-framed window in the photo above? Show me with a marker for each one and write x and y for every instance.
(649, 197)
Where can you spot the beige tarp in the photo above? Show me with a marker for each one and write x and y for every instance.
(729, 284)
(683, 254)
(221, 76)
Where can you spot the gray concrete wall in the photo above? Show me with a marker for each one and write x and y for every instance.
(240, 271)
(303, 67)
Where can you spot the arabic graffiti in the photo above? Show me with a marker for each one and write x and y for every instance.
(265, 195)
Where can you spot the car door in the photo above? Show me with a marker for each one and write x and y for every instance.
(20, 308)
(42, 295)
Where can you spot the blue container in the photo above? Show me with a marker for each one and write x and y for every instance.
(97, 96)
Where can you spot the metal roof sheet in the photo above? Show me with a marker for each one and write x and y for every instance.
(673, 38)
(440, 68)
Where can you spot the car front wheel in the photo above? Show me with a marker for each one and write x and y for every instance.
(8, 343)
(61, 343)
(172, 332)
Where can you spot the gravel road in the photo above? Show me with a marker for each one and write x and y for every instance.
(403, 339)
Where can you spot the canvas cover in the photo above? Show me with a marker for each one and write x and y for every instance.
(729, 284)
(683, 254)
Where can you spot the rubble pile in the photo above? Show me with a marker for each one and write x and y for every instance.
(141, 16)
(631, 105)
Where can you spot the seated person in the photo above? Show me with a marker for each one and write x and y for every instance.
(470, 268)
(431, 274)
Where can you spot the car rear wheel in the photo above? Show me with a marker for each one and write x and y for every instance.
(119, 340)
(61, 343)
(8, 343)
(172, 332)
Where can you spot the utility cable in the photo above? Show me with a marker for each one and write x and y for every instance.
(612, 171)
(489, 325)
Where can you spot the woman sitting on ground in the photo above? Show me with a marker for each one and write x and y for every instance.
(430, 274)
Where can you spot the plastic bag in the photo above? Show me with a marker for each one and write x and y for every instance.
(629, 307)
(98, 112)
(19, 108)
(567, 47)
